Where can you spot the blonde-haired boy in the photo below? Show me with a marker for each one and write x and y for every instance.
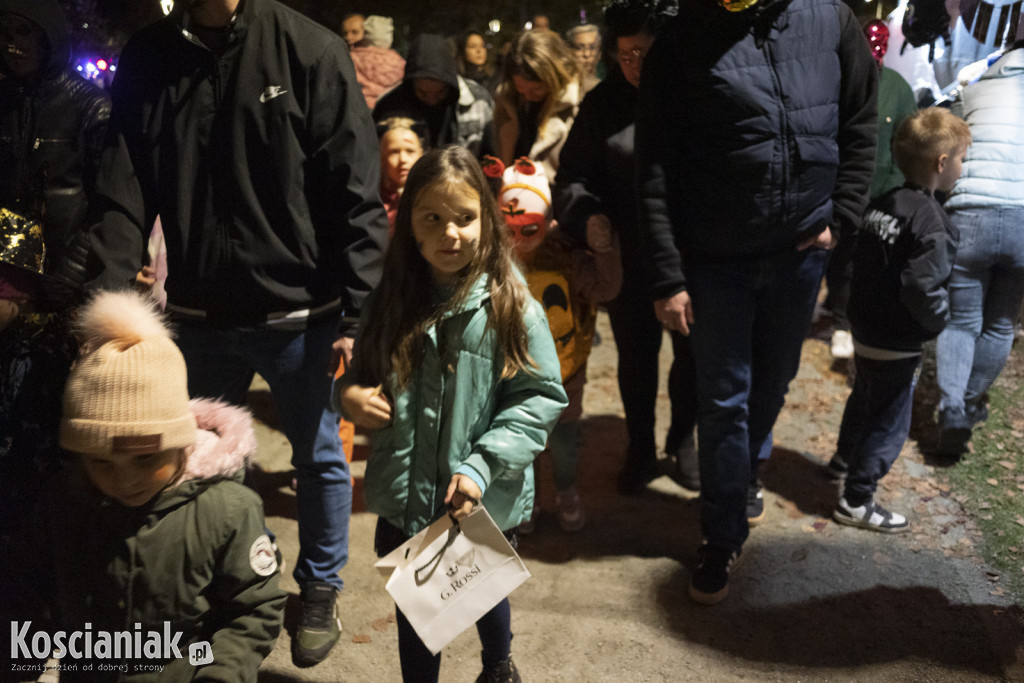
(899, 299)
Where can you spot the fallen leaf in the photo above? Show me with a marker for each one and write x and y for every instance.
(1019, 520)
(820, 524)
(992, 482)
(984, 505)
(380, 624)
(361, 638)
(996, 591)
(1006, 464)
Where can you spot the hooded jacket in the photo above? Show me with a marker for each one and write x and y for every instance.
(196, 557)
(261, 162)
(457, 416)
(51, 137)
(463, 118)
(755, 131)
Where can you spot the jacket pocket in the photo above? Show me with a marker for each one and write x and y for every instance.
(816, 168)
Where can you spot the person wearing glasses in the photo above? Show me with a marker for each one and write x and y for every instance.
(585, 41)
(595, 185)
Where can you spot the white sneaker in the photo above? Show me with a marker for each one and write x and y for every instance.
(842, 344)
(871, 516)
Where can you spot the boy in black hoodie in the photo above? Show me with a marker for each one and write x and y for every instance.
(899, 299)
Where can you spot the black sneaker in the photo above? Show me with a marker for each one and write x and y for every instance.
(836, 468)
(755, 504)
(503, 672)
(976, 413)
(319, 626)
(954, 432)
(871, 516)
(709, 583)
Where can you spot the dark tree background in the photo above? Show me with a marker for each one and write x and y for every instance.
(101, 26)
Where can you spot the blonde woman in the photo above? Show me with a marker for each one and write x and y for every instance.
(536, 103)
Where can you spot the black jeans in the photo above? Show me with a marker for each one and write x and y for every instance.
(418, 664)
(638, 337)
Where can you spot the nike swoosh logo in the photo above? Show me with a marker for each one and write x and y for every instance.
(271, 92)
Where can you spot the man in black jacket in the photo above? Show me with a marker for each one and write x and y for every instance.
(755, 139)
(52, 124)
(250, 138)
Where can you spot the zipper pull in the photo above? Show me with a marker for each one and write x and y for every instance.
(38, 142)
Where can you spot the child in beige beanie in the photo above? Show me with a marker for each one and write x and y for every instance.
(150, 528)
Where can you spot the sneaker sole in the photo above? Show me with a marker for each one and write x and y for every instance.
(310, 658)
(702, 598)
(754, 521)
(850, 521)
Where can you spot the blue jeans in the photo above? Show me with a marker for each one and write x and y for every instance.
(875, 423)
(985, 293)
(750, 322)
(221, 362)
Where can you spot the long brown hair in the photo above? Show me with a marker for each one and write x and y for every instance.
(540, 56)
(404, 305)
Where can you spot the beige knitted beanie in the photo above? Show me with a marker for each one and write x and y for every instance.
(128, 391)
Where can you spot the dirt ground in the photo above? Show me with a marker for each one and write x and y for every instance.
(810, 601)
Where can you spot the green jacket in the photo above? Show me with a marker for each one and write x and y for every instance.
(196, 557)
(456, 416)
(895, 103)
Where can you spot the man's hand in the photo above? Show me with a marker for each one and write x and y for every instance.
(341, 352)
(599, 233)
(675, 312)
(823, 240)
(463, 494)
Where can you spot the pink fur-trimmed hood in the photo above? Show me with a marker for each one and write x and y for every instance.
(225, 441)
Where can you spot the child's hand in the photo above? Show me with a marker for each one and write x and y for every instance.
(366, 406)
(463, 494)
(599, 232)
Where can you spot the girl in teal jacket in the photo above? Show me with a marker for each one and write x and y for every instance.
(455, 371)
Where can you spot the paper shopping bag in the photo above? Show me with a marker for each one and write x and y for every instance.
(450, 574)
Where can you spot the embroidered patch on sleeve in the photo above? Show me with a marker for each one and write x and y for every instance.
(262, 557)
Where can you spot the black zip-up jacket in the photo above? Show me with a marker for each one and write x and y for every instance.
(755, 130)
(597, 164)
(902, 260)
(51, 136)
(262, 164)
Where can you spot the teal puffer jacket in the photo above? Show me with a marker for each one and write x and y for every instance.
(457, 416)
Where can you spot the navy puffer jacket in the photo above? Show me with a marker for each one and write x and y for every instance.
(755, 130)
